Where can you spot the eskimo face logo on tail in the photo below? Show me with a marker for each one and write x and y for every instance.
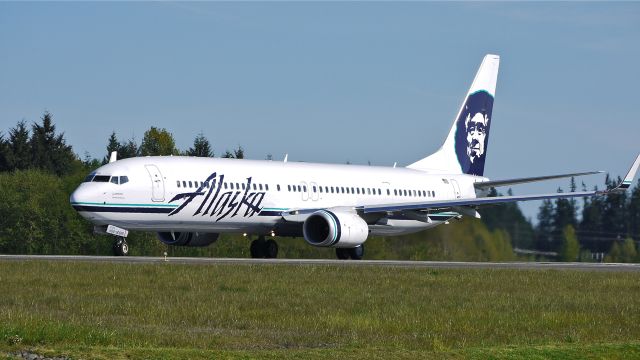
(472, 132)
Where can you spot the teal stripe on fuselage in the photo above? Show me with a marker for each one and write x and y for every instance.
(116, 204)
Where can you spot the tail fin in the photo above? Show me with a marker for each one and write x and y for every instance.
(465, 149)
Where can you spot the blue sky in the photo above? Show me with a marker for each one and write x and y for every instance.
(332, 82)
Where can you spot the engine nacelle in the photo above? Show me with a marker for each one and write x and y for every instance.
(187, 238)
(335, 229)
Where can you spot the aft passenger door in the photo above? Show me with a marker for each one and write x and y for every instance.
(157, 183)
(456, 188)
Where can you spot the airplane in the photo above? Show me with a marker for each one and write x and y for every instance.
(190, 201)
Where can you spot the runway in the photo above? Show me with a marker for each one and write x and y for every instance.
(331, 262)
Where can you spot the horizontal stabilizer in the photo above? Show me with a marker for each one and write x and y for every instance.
(475, 202)
(498, 183)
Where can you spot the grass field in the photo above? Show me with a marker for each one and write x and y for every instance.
(285, 311)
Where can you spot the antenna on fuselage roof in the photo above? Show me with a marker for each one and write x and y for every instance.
(113, 157)
(286, 157)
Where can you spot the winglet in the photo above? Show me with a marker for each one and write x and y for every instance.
(628, 180)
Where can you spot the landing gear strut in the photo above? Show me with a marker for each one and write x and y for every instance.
(261, 248)
(355, 253)
(120, 247)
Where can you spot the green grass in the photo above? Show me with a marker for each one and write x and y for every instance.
(286, 311)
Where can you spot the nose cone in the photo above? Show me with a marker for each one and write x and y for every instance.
(81, 196)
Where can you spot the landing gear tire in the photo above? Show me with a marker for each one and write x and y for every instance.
(261, 248)
(120, 247)
(257, 248)
(342, 253)
(357, 252)
(271, 249)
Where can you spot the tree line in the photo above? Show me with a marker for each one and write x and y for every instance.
(38, 171)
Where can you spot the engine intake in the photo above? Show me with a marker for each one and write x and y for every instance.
(189, 239)
(335, 229)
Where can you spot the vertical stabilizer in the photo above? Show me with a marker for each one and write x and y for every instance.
(465, 149)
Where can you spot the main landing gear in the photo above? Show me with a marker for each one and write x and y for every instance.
(261, 248)
(355, 253)
(120, 246)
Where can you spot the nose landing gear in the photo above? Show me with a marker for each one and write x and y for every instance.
(120, 246)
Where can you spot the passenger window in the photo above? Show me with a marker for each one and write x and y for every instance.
(266, 187)
(380, 192)
(414, 193)
(314, 188)
(225, 185)
(190, 184)
(114, 179)
(255, 187)
(320, 188)
(288, 187)
(260, 186)
(388, 192)
(178, 183)
(304, 188)
(278, 187)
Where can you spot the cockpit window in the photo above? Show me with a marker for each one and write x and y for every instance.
(124, 179)
(89, 177)
(101, 178)
(114, 179)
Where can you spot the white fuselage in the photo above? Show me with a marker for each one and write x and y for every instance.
(176, 193)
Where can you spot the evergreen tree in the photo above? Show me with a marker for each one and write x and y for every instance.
(4, 153)
(228, 155)
(614, 214)
(128, 149)
(201, 147)
(591, 228)
(158, 142)
(112, 145)
(19, 150)
(49, 150)
(634, 213)
(544, 229)
(239, 152)
(564, 214)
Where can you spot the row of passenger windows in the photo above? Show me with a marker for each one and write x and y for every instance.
(118, 180)
(225, 185)
(360, 191)
(314, 188)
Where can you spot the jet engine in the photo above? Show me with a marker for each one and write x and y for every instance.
(336, 229)
(187, 238)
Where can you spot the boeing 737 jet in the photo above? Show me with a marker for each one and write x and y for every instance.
(189, 201)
